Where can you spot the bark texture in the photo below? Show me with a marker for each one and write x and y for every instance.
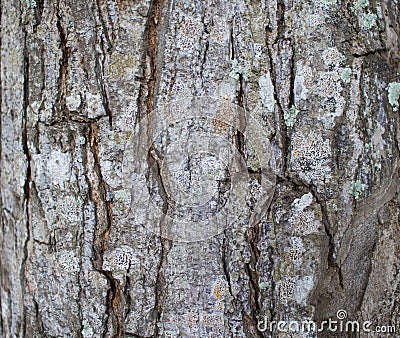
(321, 77)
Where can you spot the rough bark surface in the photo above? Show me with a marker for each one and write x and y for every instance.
(322, 77)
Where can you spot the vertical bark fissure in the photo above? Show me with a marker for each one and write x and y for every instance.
(28, 178)
(253, 231)
(106, 44)
(39, 320)
(292, 75)
(203, 54)
(331, 245)
(38, 13)
(252, 234)
(127, 295)
(146, 105)
(225, 263)
(155, 169)
(272, 298)
(166, 246)
(110, 40)
(114, 300)
(100, 74)
(365, 284)
(251, 270)
(152, 39)
(60, 106)
(271, 46)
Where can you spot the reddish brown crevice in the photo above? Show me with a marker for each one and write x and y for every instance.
(152, 37)
(147, 89)
(60, 106)
(98, 192)
(146, 103)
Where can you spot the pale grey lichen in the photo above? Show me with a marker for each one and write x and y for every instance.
(56, 167)
(311, 156)
(301, 203)
(290, 116)
(286, 289)
(394, 94)
(111, 135)
(296, 249)
(303, 223)
(68, 261)
(295, 255)
(379, 12)
(332, 57)
(121, 258)
(267, 92)
(356, 188)
(70, 208)
(258, 48)
(236, 70)
(303, 288)
(73, 101)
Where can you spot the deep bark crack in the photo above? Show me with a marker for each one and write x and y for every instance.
(104, 225)
(28, 178)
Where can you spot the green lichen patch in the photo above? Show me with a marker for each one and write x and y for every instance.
(356, 188)
(346, 75)
(328, 2)
(236, 70)
(87, 329)
(264, 285)
(31, 3)
(394, 94)
(290, 116)
(359, 5)
(369, 20)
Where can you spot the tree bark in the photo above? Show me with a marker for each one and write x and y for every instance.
(82, 86)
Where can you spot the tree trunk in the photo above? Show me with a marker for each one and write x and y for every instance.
(102, 236)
